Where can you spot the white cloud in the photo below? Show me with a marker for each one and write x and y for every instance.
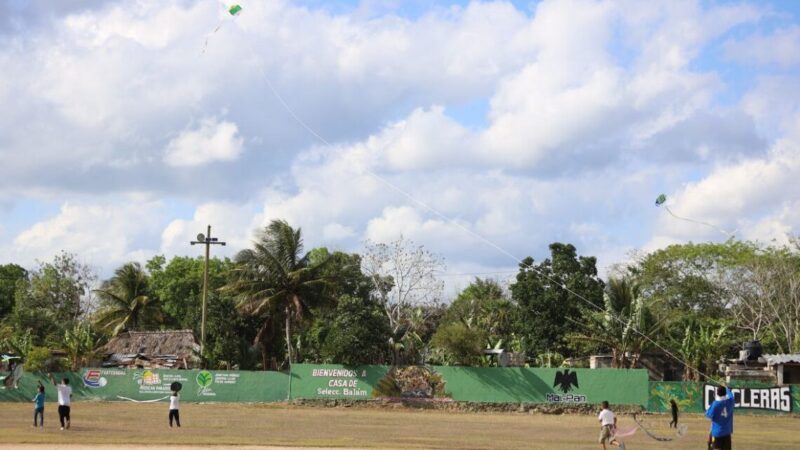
(780, 47)
(587, 110)
(336, 232)
(211, 141)
(229, 222)
(104, 235)
(774, 102)
(750, 198)
(426, 139)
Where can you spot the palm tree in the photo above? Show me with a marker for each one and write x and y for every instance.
(125, 302)
(624, 326)
(80, 343)
(275, 277)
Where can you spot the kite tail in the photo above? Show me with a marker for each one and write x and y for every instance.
(698, 222)
(208, 36)
(641, 425)
(625, 432)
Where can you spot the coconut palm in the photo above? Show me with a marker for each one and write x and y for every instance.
(624, 326)
(275, 278)
(125, 301)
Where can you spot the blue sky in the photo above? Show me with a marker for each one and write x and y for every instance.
(520, 123)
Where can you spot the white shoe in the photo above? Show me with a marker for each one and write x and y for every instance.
(62, 428)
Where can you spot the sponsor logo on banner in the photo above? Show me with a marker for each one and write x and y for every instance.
(94, 379)
(150, 378)
(768, 399)
(204, 380)
(565, 381)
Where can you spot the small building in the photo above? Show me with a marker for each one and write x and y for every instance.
(172, 349)
(779, 370)
(786, 367)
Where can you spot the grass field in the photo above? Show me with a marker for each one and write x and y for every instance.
(98, 425)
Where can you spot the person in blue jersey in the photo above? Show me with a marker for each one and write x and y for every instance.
(721, 415)
(38, 408)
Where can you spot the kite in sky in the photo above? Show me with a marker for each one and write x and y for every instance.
(233, 10)
(661, 201)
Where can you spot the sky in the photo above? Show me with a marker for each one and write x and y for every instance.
(483, 130)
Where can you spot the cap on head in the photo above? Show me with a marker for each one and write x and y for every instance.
(605, 404)
(65, 380)
(721, 391)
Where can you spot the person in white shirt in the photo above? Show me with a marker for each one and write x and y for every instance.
(608, 426)
(174, 406)
(64, 400)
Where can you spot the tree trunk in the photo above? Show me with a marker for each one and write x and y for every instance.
(289, 354)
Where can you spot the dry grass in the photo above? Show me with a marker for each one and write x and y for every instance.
(103, 424)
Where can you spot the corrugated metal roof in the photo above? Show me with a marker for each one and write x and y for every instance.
(782, 358)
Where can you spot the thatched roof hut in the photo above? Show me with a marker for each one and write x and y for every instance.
(176, 349)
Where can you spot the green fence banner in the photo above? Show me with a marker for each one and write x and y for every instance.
(541, 385)
(154, 385)
(333, 381)
(473, 384)
(754, 398)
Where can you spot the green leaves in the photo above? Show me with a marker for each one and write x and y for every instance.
(126, 301)
(549, 309)
(273, 278)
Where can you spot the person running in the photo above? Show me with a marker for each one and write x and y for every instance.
(674, 406)
(38, 407)
(608, 426)
(174, 407)
(721, 415)
(64, 399)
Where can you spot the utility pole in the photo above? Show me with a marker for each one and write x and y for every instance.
(208, 241)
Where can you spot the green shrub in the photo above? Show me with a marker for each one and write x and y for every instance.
(40, 359)
(462, 345)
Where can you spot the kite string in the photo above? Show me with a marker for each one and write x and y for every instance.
(698, 222)
(451, 221)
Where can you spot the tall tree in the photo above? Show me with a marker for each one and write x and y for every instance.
(358, 333)
(80, 343)
(692, 278)
(404, 281)
(767, 298)
(346, 281)
(564, 285)
(484, 305)
(10, 276)
(275, 278)
(626, 327)
(178, 284)
(53, 297)
(703, 342)
(126, 302)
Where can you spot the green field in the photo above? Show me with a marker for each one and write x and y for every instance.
(282, 425)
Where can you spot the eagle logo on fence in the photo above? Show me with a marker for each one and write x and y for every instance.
(566, 380)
